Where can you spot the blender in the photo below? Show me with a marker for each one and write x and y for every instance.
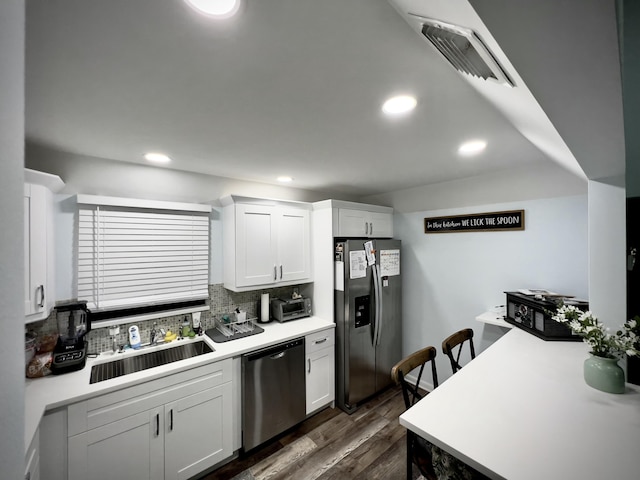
(70, 352)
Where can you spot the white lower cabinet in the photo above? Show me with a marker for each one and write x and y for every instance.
(201, 435)
(320, 369)
(129, 448)
(32, 459)
(168, 428)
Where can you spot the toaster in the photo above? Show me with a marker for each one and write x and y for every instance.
(285, 310)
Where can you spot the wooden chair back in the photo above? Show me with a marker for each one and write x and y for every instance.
(453, 344)
(416, 360)
(418, 449)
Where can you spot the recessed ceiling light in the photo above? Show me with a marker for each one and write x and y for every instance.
(472, 147)
(216, 8)
(156, 158)
(399, 104)
(285, 179)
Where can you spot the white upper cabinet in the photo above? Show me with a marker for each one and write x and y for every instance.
(39, 257)
(364, 223)
(361, 220)
(266, 243)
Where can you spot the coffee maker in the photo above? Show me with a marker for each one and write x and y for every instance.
(70, 352)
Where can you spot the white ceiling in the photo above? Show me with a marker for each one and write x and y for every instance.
(288, 87)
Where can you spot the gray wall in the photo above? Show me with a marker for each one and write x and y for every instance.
(12, 452)
(449, 279)
(631, 93)
(99, 176)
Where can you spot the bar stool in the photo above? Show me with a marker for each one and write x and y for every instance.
(432, 462)
(418, 449)
(452, 345)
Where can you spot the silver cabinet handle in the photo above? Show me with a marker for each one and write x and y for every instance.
(366, 228)
(309, 362)
(171, 419)
(371, 228)
(280, 271)
(321, 341)
(275, 273)
(157, 424)
(41, 290)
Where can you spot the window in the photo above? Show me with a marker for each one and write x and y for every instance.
(134, 253)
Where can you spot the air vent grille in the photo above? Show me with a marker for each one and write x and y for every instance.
(465, 50)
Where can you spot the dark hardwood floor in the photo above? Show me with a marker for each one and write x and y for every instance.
(369, 444)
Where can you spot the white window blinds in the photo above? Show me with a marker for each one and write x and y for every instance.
(139, 255)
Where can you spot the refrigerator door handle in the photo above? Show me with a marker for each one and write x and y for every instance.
(378, 305)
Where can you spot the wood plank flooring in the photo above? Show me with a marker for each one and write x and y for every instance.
(369, 444)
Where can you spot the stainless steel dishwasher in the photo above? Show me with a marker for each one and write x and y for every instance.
(273, 391)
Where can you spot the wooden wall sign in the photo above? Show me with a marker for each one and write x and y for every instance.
(476, 222)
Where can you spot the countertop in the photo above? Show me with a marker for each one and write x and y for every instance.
(494, 318)
(54, 391)
(522, 411)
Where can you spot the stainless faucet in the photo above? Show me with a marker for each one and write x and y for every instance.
(114, 344)
(154, 335)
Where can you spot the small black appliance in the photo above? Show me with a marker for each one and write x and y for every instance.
(70, 352)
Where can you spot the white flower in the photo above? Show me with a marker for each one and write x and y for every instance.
(575, 325)
(585, 316)
(632, 323)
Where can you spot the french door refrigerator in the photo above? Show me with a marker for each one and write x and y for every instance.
(368, 313)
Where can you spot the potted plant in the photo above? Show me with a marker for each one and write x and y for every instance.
(601, 369)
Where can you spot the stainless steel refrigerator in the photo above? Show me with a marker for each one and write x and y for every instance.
(368, 313)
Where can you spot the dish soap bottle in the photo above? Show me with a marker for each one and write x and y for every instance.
(186, 328)
(134, 337)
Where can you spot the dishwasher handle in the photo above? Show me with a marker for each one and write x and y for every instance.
(275, 352)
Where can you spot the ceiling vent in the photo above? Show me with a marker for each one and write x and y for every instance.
(464, 49)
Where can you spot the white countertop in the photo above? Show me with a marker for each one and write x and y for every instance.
(494, 318)
(55, 391)
(522, 411)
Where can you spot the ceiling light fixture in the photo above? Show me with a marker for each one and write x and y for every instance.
(472, 147)
(399, 105)
(156, 157)
(285, 179)
(216, 8)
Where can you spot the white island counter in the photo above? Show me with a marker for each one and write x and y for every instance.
(522, 411)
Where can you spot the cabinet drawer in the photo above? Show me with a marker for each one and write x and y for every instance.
(319, 340)
(110, 407)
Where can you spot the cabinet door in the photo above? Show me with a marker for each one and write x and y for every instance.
(294, 254)
(256, 250)
(352, 223)
(320, 378)
(380, 224)
(32, 459)
(35, 246)
(129, 448)
(198, 431)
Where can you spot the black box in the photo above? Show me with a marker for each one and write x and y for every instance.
(534, 315)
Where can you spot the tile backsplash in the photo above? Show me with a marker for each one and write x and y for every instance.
(221, 301)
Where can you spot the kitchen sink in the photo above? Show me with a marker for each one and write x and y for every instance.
(136, 363)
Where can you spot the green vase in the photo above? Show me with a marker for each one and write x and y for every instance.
(604, 374)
